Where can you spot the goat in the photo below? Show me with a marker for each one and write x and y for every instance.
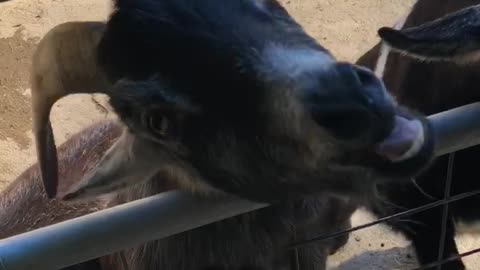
(234, 97)
(445, 78)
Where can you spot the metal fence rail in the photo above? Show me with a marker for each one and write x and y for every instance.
(169, 213)
(457, 129)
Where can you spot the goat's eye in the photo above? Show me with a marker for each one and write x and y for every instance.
(158, 125)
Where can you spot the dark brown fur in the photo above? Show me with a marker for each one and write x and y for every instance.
(431, 87)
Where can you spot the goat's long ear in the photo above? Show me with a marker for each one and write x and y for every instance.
(45, 92)
(45, 142)
(454, 37)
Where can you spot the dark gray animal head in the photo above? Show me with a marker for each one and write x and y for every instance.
(453, 37)
(234, 95)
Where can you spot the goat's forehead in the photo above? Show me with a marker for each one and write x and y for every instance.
(260, 4)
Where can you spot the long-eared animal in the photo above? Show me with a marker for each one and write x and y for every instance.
(234, 97)
(430, 32)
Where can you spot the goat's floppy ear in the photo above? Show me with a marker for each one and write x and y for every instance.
(45, 92)
(454, 37)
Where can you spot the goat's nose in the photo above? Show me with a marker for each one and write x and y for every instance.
(362, 84)
(356, 108)
(378, 101)
(373, 88)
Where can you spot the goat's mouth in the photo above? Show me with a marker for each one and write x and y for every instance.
(404, 141)
(405, 151)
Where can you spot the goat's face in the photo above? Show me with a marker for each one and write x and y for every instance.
(245, 102)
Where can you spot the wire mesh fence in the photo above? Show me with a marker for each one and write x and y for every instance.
(444, 203)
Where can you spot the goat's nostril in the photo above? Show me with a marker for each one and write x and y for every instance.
(365, 76)
(360, 112)
(375, 94)
(361, 84)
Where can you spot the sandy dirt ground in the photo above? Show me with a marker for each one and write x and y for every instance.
(346, 27)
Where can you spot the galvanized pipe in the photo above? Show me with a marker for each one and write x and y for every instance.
(110, 230)
(456, 129)
(166, 214)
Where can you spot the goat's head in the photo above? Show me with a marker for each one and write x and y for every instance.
(236, 95)
(454, 37)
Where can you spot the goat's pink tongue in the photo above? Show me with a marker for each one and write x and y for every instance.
(404, 142)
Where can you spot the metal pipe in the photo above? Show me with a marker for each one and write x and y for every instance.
(114, 229)
(107, 231)
(456, 129)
